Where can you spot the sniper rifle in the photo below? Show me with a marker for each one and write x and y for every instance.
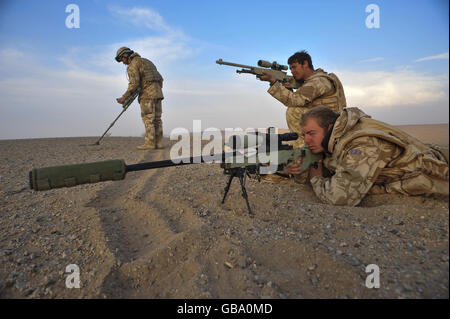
(275, 69)
(245, 159)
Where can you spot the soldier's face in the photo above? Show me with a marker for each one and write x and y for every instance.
(314, 135)
(298, 70)
(124, 60)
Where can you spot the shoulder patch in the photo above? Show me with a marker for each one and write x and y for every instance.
(355, 152)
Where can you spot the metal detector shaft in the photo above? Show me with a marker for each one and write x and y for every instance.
(126, 104)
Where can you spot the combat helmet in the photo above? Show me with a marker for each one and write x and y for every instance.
(123, 51)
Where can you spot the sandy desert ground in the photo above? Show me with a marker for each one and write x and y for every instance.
(164, 233)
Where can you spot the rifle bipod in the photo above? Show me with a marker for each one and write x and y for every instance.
(241, 173)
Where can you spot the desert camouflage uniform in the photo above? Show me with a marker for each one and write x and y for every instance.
(320, 88)
(143, 73)
(368, 155)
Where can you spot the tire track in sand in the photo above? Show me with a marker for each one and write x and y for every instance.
(132, 214)
(140, 222)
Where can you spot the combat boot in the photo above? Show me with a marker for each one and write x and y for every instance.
(146, 147)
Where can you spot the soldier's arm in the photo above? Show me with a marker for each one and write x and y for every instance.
(133, 80)
(356, 173)
(304, 94)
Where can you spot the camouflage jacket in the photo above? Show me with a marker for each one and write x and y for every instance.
(143, 73)
(368, 155)
(320, 88)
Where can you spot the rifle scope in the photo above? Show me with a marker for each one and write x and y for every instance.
(256, 139)
(274, 65)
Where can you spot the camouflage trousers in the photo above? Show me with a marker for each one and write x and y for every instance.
(293, 116)
(151, 111)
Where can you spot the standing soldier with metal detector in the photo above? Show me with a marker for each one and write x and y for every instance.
(143, 74)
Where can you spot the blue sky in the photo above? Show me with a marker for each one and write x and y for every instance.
(57, 81)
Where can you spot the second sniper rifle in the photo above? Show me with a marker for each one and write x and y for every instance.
(274, 69)
(239, 163)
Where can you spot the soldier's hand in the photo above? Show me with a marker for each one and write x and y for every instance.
(316, 171)
(267, 77)
(296, 167)
(287, 85)
(120, 100)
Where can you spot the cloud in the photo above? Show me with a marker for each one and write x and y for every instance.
(372, 60)
(163, 49)
(442, 56)
(165, 46)
(15, 63)
(11, 53)
(145, 17)
(387, 89)
(142, 16)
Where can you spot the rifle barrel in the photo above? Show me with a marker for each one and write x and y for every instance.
(220, 61)
(183, 161)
